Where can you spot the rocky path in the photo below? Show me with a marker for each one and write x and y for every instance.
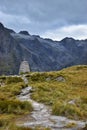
(41, 115)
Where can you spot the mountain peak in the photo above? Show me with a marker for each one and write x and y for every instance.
(37, 36)
(68, 39)
(1, 26)
(24, 32)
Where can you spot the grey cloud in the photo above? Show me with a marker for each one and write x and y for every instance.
(46, 14)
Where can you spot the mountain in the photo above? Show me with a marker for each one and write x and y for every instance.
(41, 54)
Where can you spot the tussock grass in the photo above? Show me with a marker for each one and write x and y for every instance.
(10, 106)
(14, 106)
(67, 97)
(64, 91)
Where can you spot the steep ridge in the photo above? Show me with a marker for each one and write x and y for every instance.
(41, 54)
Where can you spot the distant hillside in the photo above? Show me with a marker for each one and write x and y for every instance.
(41, 54)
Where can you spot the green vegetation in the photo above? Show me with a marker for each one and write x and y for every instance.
(65, 91)
(71, 125)
(10, 106)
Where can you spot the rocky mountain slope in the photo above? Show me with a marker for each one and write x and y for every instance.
(42, 54)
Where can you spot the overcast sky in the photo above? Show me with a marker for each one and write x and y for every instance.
(54, 19)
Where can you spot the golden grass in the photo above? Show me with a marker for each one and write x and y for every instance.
(60, 94)
(66, 96)
(10, 106)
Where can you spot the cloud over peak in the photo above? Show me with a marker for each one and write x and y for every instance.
(75, 31)
(45, 17)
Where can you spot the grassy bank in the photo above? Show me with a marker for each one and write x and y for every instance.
(65, 91)
(10, 106)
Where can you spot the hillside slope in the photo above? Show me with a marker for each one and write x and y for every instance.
(65, 91)
(41, 54)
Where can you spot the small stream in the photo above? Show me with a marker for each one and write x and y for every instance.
(41, 115)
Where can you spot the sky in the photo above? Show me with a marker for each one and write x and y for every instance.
(53, 19)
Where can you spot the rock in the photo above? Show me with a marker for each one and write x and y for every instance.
(2, 84)
(60, 79)
(48, 79)
(24, 67)
(41, 54)
(72, 102)
(26, 91)
(24, 32)
(85, 128)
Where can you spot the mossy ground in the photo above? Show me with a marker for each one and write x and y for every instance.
(65, 91)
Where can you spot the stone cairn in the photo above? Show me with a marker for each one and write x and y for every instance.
(24, 67)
